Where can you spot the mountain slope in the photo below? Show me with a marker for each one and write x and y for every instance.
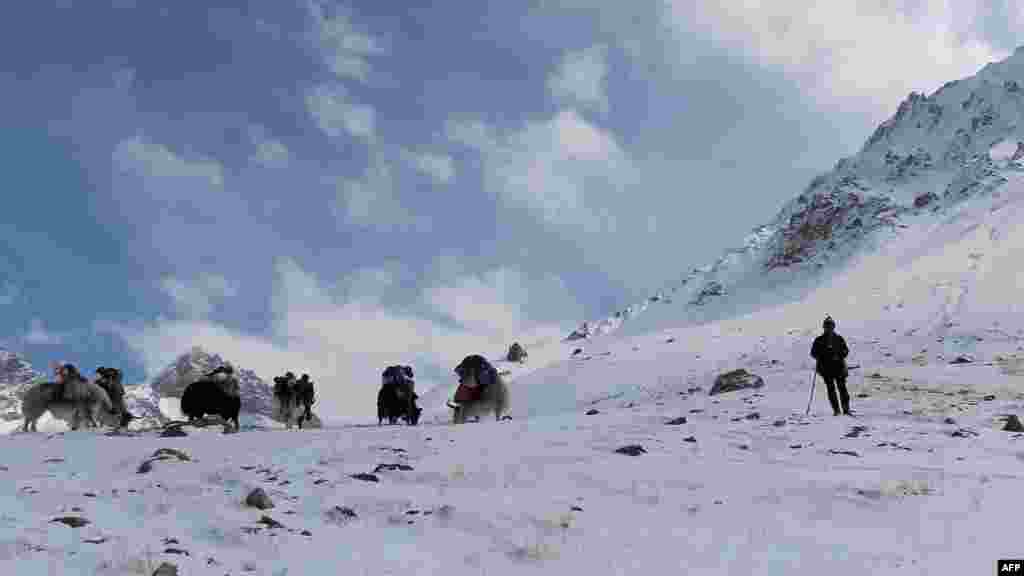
(16, 374)
(917, 169)
(913, 245)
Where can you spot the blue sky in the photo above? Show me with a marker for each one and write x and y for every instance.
(335, 187)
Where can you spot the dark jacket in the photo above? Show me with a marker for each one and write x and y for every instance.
(830, 351)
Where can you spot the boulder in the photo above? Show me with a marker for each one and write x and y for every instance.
(516, 353)
(735, 380)
(258, 499)
(631, 450)
(581, 333)
(1013, 424)
(166, 569)
(925, 199)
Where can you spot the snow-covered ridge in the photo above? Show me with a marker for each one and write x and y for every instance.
(16, 374)
(936, 152)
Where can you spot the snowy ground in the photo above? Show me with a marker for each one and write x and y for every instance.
(775, 494)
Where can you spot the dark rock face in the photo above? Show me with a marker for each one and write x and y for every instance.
(837, 215)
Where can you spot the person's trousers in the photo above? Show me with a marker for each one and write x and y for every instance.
(842, 403)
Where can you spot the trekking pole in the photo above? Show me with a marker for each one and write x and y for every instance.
(814, 379)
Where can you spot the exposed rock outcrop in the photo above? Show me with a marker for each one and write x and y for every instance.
(736, 380)
(257, 395)
(16, 375)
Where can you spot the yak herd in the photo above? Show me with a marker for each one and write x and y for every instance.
(72, 398)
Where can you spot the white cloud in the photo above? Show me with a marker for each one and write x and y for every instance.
(336, 114)
(471, 133)
(368, 201)
(372, 283)
(8, 293)
(182, 205)
(440, 167)
(195, 300)
(270, 153)
(372, 201)
(487, 304)
(345, 50)
(865, 56)
(563, 169)
(174, 176)
(580, 78)
(38, 334)
(345, 343)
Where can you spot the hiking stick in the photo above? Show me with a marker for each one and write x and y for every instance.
(814, 379)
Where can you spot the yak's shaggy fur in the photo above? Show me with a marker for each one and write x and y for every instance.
(294, 399)
(110, 380)
(94, 404)
(476, 373)
(397, 396)
(208, 396)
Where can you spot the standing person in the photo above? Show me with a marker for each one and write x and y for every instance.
(829, 351)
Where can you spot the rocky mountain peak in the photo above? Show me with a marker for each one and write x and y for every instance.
(257, 395)
(15, 370)
(16, 374)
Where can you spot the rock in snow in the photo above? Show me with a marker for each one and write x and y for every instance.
(735, 380)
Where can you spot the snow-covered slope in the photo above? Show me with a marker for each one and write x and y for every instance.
(746, 485)
(917, 171)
